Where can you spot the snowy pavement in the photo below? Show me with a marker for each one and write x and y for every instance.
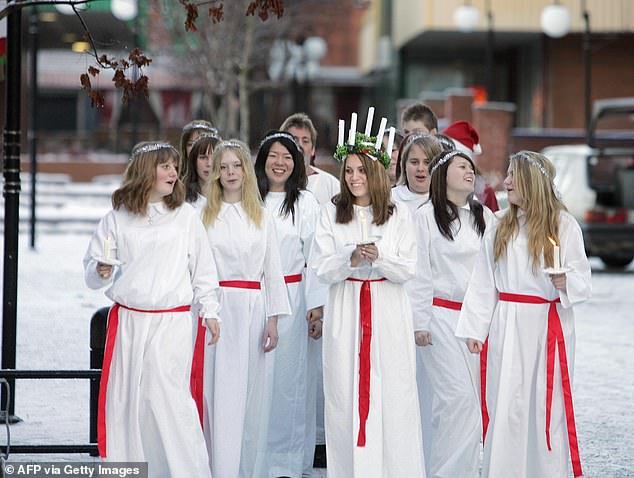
(55, 307)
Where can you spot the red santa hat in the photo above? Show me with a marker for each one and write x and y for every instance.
(465, 137)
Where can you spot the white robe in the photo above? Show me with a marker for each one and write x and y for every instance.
(200, 203)
(166, 263)
(323, 186)
(411, 199)
(443, 271)
(234, 387)
(515, 444)
(394, 444)
(284, 453)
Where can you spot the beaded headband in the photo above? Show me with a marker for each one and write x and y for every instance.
(199, 124)
(446, 142)
(533, 162)
(449, 155)
(232, 143)
(416, 137)
(147, 148)
(279, 135)
(206, 135)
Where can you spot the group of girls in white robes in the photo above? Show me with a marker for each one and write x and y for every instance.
(423, 264)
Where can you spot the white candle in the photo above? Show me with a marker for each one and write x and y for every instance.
(364, 225)
(353, 129)
(107, 245)
(368, 122)
(379, 137)
(390, 141)
(340, 138)
(556, 258)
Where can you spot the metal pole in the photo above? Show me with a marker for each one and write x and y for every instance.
(11, 171)
(490, 59)
(587, 72)
(33, 31)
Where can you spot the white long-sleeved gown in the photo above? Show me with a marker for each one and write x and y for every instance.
(515, 444)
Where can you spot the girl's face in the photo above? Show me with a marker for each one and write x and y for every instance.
(417, 170)
(190, 142)
(203, 165)
(460, 176)
(278, 167)
(514, 197)
(357, 180)
(231, 172)
(166, 177)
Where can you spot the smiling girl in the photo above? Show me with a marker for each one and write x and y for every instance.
(279, 167)
(449, 231)
(365, 250)
(253, 294)
(152, 252)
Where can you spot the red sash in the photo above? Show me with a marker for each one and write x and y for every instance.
(555, 343)
(365, 318)
(454, 305)
(111, 335)
(293, 278)
(198, 360)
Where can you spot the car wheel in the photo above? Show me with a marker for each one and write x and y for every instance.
(617, 262)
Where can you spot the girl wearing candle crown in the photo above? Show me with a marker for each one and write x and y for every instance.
(365, 250)
(191, 132)
(242, 236)
(449, 231)
(199, 169)
(280, 171)
(528, 315)
(163, 264)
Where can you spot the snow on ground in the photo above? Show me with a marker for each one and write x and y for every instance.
(55, 307)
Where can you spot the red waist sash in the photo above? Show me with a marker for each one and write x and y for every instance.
(365, 318)
(240, 284)
(111, 335)
(291, 279)
(555, 343)
(454, 305)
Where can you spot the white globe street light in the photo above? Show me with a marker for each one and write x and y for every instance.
(466, 18)
(555, 20)
(124, 10)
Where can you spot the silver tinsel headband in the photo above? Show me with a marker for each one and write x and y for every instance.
(233, 144)
(449, 155)
(207, 135)
(281, 134)
(204, 125)
(416, 137)
(147, 148)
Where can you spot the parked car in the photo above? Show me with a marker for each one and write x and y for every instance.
(597, 185)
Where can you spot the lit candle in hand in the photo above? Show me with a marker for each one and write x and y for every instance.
(107, 246)
(340, 138)
(556, 259)
(364, 225)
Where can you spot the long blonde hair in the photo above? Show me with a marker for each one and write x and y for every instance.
(251, 201)
(533, 176)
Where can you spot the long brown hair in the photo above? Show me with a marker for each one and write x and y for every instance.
(202, 145)
(140, 174)
(445, 211)
(378, 187)
(251, 201)
(533, 176)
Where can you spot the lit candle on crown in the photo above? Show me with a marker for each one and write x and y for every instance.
(390, 141)
(368, 121)
(340, 138)
(107, 246)
(379, 137)
(353, 129)
(556, 259)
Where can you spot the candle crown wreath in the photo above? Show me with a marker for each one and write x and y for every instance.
(364, 143)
